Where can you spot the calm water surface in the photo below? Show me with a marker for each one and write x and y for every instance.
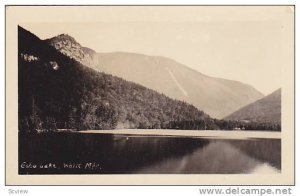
(81, 153)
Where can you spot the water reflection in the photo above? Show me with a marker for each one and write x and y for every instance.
(122, 154)
(218, 157)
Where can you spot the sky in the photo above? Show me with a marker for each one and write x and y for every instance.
(237, 43)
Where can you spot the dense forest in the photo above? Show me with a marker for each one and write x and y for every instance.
(57, 92)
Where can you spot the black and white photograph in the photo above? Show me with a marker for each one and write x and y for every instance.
(153, 90)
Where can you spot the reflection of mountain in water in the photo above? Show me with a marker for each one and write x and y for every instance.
(265, 151)
(218, 157)
(121, 154)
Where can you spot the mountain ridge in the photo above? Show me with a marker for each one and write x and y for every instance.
(206, 92)
(175, 61)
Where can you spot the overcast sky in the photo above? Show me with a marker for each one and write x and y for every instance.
(243, 44)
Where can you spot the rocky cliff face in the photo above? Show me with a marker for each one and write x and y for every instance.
(68, 46)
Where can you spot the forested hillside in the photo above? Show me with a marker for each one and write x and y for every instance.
(267, 109)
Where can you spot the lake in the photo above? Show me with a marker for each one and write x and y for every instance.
(92, 153)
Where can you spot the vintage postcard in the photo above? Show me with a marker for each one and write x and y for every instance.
(150, 95)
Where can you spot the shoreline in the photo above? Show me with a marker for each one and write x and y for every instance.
(190, 133)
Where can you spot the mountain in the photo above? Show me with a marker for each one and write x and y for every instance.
(267, 109)
(68, 46)
(56, 91)
(217, 97)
